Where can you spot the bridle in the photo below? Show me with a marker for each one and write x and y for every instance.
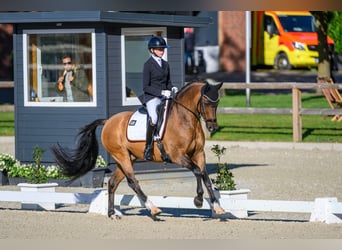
(201, 106)
(209, 103)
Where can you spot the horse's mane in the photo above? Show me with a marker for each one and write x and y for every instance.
(189, 84)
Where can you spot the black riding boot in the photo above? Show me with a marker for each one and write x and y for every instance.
(148, 153)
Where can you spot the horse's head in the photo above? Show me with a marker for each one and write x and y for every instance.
(208, 105)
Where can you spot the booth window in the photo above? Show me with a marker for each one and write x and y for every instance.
(134, 46)
(65, 56)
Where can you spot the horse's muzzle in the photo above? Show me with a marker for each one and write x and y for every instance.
(211, 125)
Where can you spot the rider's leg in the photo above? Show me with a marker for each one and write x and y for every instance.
(151, 127)
(148, 153)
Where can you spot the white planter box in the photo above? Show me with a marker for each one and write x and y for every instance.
(45, 187)
(240, 194)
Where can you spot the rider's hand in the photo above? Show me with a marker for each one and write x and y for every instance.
(174, 90)
(166, 93)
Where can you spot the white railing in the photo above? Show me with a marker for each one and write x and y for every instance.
(327, 210)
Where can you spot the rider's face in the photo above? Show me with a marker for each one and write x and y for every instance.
(158, 51)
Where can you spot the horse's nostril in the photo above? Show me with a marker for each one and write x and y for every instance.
(213, 128)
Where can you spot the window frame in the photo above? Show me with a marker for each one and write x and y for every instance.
(136, 31)
(25, 35)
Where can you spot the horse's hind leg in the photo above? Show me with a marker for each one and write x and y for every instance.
(126, 169)
(134, 184)
(113, 183)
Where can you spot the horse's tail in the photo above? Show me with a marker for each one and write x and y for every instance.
(76, 162)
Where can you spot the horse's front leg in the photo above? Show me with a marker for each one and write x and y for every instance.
(202, 174)
(215, 203)
(189, 164)
(198, 200)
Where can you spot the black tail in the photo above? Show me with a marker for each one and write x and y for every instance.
(77, 162)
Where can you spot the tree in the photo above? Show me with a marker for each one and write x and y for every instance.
(322, 19)
(335, 30)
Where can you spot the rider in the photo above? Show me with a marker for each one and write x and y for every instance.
(156, 78)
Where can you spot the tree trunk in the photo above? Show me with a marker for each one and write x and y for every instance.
(321, 18)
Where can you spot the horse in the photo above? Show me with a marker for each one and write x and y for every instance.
(183, 141)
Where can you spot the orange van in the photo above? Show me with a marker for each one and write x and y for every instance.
(285, 39)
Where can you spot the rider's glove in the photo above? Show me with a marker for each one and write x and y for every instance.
(174, 90)
(166, 93)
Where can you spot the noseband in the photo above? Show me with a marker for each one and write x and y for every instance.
(208, 103)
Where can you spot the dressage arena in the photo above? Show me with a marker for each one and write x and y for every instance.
(272, 171)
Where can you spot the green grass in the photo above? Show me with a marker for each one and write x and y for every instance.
(234, 127)
(6, 123)
(275, 128)
(257, 100)
(260, 127)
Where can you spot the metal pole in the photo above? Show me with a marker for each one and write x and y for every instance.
(248, 46)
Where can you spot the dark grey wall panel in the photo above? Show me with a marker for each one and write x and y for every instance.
(45, 126)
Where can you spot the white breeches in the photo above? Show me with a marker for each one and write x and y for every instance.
(151, 107)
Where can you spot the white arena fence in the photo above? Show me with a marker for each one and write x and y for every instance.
(327, 210)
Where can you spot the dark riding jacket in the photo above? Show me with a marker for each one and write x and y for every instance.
(155, 79)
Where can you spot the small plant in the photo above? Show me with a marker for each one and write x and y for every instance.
(39, 173)
(100, 162)
(54, 172)
(224, 179)
(7, 161)
(36, 173)
(22, 171)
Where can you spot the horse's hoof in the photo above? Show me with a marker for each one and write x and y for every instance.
(115, 217)
(155, 212)
(198, 202)
(219, 210)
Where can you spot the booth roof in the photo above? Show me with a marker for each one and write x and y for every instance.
(105, 16)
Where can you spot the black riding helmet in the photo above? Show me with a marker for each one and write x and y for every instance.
(157, 42)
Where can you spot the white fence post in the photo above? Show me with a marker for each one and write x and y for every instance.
(323, 211)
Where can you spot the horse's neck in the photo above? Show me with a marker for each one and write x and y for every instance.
(186, 106)
(191, 96)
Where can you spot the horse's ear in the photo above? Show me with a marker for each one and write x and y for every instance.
(211, 90)
(217, 86)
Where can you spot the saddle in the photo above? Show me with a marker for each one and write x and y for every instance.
(136, 129)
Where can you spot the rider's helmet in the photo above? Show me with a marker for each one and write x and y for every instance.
(157, 42)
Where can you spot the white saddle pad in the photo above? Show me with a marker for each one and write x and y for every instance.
(136, 130)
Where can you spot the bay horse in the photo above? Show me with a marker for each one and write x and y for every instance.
(183, 141)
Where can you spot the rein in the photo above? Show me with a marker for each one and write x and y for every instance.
(192, 112)
(201, 104)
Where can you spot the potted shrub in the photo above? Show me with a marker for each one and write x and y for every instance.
(54, 175)
(18, 173)
(6, 162)
(94, 178)
(224, 183)
(224, 179)
(30, 173)
(37, 181)
(34, 173)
